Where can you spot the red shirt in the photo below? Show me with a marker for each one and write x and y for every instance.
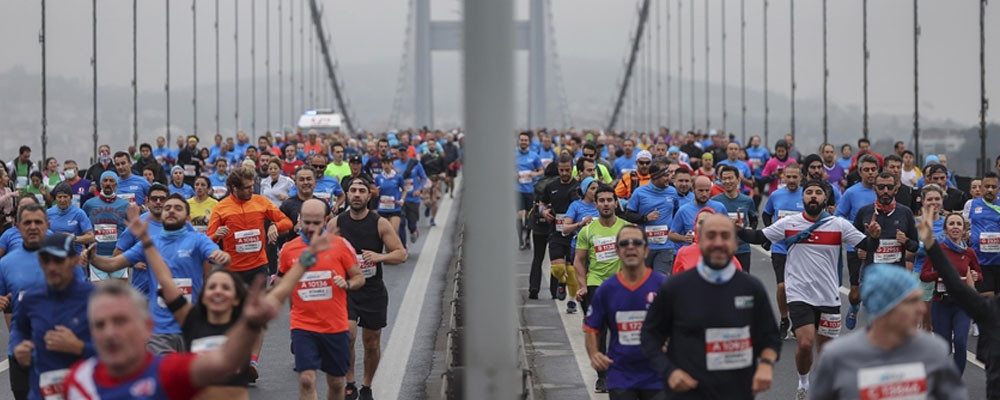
(173, 377)
(318, 305)
(288, 168)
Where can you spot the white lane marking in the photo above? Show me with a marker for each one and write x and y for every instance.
(4, 365)
(390, 376)
(970, 356)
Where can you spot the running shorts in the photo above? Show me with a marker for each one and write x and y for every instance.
(327, 352)
(368, 306)
(826, 320)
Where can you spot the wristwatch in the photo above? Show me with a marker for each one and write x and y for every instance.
(307, 259)
(766, 361)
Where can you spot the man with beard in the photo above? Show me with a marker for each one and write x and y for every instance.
(656, 212)
(555, 201)
(814, 240)
(596, 243)
(954, 199)
(782, 203)
(899, 231)
(682, 226)
(682, 193)
(633, 179)
(855, 197)
(375, 241)
(107, 214)
(904, 193)
(815, 169)
(619, 306)
(723, 346)
(984, 217)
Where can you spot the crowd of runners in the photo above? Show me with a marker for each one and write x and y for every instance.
(154, 272)
(650, 234)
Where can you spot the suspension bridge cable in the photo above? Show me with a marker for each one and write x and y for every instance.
(767, 109)
(791, 38)
(45, 120)
(166, 86)
(826, 78)
(643, 13)
(725, 111)
(194, 68)
(864, 30)
(236, 64)
(317, 23)
(743, 73)
(916, 82)
(708, 109)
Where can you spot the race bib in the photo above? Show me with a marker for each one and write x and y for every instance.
(51, 383)
(560, 219)
(989, 242)
(829, 325)
(207, 343)
(896, 382)
(316, 285)
(627, 171)
(368, 269)
(728, 348)
(787, 213)
(604, 249)
(128, 196)
(22, 181)
(219, 191)
(189, 170)
(386, 202)
(408, 185)
(546, 161)
(523, 177)
(106, 233)
(248, 241)
(889, 251)
(657, 234)
(76, 200)
(186, 287)
(325, 196)
(629, 324)
(200, 228)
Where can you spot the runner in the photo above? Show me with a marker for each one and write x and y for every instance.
(579, 214)
(50, 330)
(627, 162)
(107, 215)
(156, 197)
(985, 240)
(67, 218)
(739, 207)
(414, 180)
(776, 165)
(79, 185)
(631, 180)
(656, 211)
(855, 197)
(899, 231)
(723, 347)
(689, 256)
(596, 245)
(370, 235)
(130, 187)
(682, 226)
(904, 193)
(305, 182)
(891, 358)
(814, 240)
(682, 193)
(529, 168)
(954, 199)
(219, 178)
(201, 204)
(782, 203)
(392, 191)
(123, 369)
(319, 318)
(177, 184)
(619, 306)
(555, 202)
(434, 165)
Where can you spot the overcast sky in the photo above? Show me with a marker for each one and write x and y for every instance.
(371, 33)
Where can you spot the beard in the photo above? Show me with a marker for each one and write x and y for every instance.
(885, 200)
(814, 208)
(173, 226)
(359, 206)
(716, 265)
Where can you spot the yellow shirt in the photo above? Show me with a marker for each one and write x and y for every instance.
(203, 209)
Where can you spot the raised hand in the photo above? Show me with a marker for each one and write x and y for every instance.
(258, 309)
(873, 228)
(925, 226)
(901, 237)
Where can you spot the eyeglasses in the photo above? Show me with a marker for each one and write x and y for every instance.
(318, 167)
(884, 187)
(157, 198)
(643, 162)
(588, 155)
(633, 242)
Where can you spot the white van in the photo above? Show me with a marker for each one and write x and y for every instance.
(323, 121)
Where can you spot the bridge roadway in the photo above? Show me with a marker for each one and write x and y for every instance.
(554, 342)
(412, 355)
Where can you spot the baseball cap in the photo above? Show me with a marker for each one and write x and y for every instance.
(59, 245)
(354, 159)
(644, 154)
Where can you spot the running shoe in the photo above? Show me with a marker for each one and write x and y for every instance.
(414, 235)
(571, 307)
(600, 386)
(532, 295)
(253, 371)
(785, 329)
(801, 394)
(427, 212)
(350, 391)
(561, 292)
(852, 316)
(432, 222)
(975, 329)
(365, 393)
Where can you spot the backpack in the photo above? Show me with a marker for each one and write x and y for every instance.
(410, 165)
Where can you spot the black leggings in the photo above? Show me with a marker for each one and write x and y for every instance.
(636, 394)
(19, 380)
(540, 241)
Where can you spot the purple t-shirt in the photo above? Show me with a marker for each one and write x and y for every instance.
(622, 310)
(834, 175)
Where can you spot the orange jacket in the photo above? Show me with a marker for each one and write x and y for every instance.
(246, 242)
(624, 187)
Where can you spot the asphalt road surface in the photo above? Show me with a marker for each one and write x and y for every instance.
(408, 343)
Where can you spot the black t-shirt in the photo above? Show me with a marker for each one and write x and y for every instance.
(363, 235)
(559, 196)
(200, 335)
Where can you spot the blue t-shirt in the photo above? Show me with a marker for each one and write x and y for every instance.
(742, 166)
(185, 190)
(759, 156)
(414, 181)
(134, 187)
(219, 188)
(684, 219)
(390, 191)
(527, 162)
(623, 165)
(20, 270)
(844, 163)
(577, 211)
(921, 255)
(184, 255)
(852, 200)
(780, 204)
(163, 155)
(108, 220)
(622, 310)
(679, 201)
(11, 238)
(547, 156)
(644, 200)
(240, 150)
(327, 189)
(985, 232)
(744, 205)
(73, 221)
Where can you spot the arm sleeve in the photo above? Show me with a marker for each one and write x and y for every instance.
(913, 242)
(656, 330)
(206, 246)
(677, 225)
(633, 203)
(84, 224)
(125, 240)
(854, 237)
(970, 301)
(928, 273)
(843, 207)
(20, 327)
(135, 254)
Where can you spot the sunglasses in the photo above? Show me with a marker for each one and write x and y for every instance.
(643, 162)
(588, 154)
(634, 242)
(157, 198)
(884, 187)
(319, 167)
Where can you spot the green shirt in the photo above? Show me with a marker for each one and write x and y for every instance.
(599, 241)
(337, 171)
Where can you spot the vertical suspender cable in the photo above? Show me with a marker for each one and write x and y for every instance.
(767, 109)
(93, 65)
(194, 67)
(670, 110)
(236, 65)
(312, 72)
(693, 122)
(302, 56)
(864, 47)
(983, 102)
(166, 87)
(267, 65)
(680, 65)
(916, 82)
(659, 72)
(725, 111)
(826, 78)
(253, 68)
(708, 109)
(291, 60)
(649, 80)
(135, 77)
(743, 73)
(281, 81)
(791, 38)
(217, 95)
(45, 127)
